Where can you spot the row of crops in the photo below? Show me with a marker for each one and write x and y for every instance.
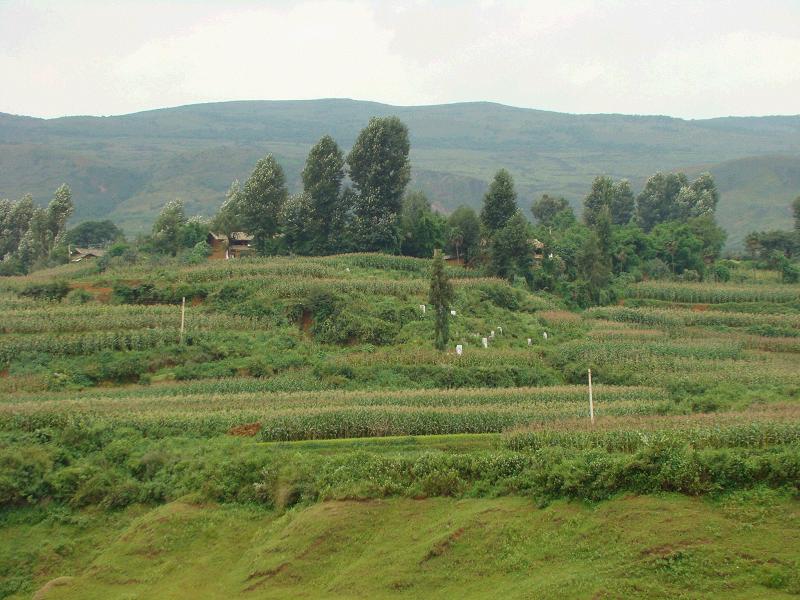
(681, 317)
(757, 428)
(625, 346)
(335, 414)
(13, 346)
(98, 317)
(714, 293)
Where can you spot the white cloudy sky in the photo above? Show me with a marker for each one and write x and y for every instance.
(683, 58)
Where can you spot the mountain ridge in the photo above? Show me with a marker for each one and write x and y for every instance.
(125, 167)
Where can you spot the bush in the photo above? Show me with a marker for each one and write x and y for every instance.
(22, 473)
(790, 272)
(501, 296)
(55, 290)
(79, 296)
(691, 275)
(721, 273)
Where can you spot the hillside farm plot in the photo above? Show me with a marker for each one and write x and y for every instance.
(308, 386)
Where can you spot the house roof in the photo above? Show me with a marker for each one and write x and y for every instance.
(88, 252)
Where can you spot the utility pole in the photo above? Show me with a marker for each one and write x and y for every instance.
(591, 401)
(183, 315)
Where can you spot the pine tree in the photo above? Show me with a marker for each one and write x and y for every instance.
(441, 295)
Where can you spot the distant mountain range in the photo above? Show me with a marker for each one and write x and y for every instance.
(126, 167)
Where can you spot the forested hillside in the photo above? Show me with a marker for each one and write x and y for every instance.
(126, 167)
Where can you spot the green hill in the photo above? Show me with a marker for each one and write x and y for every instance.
(125, 167)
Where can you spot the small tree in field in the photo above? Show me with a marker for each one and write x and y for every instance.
(441, 295)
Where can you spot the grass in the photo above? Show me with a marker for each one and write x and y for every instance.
(666, 546)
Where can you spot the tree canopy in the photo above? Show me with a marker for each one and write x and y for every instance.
(499, 203)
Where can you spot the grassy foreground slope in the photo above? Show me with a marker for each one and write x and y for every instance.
(125, 167)
(305, 440)
(744, 546)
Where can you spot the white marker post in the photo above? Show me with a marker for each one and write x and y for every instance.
(459, 349)
(485, 342)
(530, 342)
(499, 330)
(544, 335)
(422, 308)
(453, 313)
(591, 401)
(183, 315)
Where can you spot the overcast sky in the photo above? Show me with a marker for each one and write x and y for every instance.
(689, 59)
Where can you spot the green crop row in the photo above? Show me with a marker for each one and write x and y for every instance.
(676, 317)
(714, 293)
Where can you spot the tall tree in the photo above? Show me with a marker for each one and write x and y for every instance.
(605, 194)
(623, 203)
(594, 269)
(230, 218)
(263, 196)
(499, 202)
(296, 214)
(547, 207)
(441, 296)
(93, 233)
(657, 201)
(704, 196)
(422, 230)
(322, 184)
(380, 171)
(604, 232)
(796, 211)
(167, 228)
(16, 222)
(464, 233)
(511, 253)
(599, 198)
(58, 211)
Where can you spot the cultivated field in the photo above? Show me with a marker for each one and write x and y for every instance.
(126, 446)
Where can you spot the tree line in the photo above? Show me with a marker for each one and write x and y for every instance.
(359, 202)
(32, 236)
(777, 248)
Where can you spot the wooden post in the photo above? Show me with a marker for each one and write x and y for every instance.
(591, 401)
(183, 315)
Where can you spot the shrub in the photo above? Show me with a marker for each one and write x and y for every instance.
(721, 273)
(46, 291)
(79, 296)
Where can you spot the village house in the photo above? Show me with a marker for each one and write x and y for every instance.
(79, 254)
(236, 245)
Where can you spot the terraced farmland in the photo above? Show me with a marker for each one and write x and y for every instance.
(307, 380)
